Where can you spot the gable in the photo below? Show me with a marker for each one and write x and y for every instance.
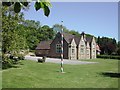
(82, 41)
(73, 42)
(93, 43)
(93, 40)
(57, 39)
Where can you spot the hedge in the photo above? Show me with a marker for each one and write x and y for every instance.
(108, 57)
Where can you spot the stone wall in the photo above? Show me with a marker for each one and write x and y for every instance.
(72, 50)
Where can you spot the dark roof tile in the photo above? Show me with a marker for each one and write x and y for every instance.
(77, 39)
(67, 37)
(44, 45)
(89, 39)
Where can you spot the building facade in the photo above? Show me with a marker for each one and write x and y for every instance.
(74, 47)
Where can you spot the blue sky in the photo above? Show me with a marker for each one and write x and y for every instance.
(96, 18)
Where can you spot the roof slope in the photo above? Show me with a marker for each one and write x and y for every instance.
(44, 45)
(67, 37)
(89, 39)
(77, 39)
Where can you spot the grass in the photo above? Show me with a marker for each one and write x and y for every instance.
(47, 75)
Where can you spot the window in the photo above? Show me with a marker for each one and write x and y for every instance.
(73, 51)
(87, 52)
(93, 52)
(93, 45)
(82, 50)
(82, 45)
(58, 48)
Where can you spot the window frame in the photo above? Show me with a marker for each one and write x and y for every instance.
(58, 48)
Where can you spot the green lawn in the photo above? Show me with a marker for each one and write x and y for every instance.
(31, 74)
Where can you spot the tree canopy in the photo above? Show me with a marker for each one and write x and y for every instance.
(39, 4)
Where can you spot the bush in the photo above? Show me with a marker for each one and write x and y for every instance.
(108, 57)
(21, 57)
(42, 60)
(7, 63)
(33, 51)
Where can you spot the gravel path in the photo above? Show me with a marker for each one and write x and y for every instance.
(55, 60)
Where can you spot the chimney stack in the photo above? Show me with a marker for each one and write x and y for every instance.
(83, 34)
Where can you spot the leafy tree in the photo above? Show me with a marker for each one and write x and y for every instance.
(11, 43)
(118, 51)
(17, 36)
(58, 28)
(34, 33)
(118, 44)
(118, 48)
(98, 40)
(47, 32)
(9, 26)
(32, 23)
(73, 32)
(107, 45)
(39, 4)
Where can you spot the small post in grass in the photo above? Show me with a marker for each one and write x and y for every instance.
(62, 49)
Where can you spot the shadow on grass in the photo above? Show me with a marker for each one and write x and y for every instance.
(16, 65)
(111, 74)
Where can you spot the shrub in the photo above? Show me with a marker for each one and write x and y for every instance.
(21, 57)
(108, 57)
(42, 60)
(7, 63)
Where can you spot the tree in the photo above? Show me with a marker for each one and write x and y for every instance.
(98, 40)
(39, 4)
(12, 42)
(118, 48)
(34, 33)
(31, 23)
(118, 51)
(73, 32)
(17, 36)
(118, 44)
(107, 45)
(59, 28)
